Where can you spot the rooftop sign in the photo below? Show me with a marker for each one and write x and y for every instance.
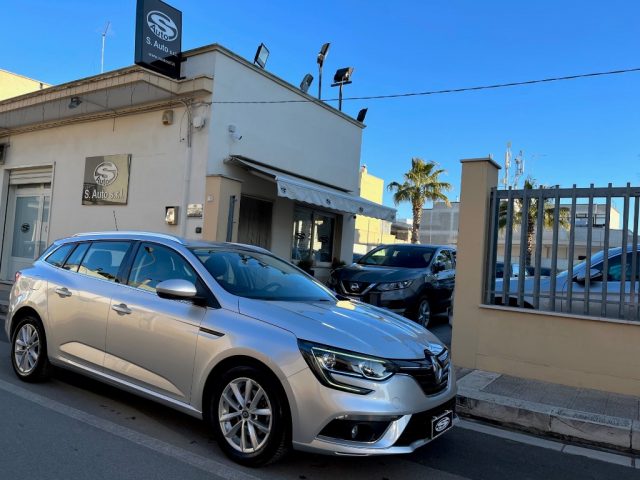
(158, 37)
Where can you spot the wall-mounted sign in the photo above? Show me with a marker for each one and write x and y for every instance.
(106, 180)
(158, 37)
(194, 210)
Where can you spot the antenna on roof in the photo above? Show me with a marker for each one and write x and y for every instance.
(104, 35)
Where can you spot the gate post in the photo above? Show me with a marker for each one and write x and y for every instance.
(479, 176)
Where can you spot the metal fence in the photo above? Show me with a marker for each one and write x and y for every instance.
(558, 250)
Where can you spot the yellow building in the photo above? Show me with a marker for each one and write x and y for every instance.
(371, 232)
(12, 85)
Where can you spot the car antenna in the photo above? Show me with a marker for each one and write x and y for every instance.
(115, 220)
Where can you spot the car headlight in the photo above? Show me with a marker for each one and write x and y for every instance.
(394, 285)
(326, 361)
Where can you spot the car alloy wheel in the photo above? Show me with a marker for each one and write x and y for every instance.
(245, 415)
(424, 312)
(250, 416)
(29, 350)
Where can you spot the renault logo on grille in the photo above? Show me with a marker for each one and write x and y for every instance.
(437, 369)
(354, 287)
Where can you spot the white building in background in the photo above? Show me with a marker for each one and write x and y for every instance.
(439, 224)
(135, 150)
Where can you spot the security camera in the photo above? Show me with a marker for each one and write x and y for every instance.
(233, 133)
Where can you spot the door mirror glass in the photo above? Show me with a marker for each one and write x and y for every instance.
(176, 289)
(594, 276)
(438, 267)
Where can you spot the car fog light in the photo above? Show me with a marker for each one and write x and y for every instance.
(354, 432)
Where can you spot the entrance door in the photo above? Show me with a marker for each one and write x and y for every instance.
(27, 227)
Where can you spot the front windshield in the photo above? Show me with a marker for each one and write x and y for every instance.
(260, 276)
(399, 256)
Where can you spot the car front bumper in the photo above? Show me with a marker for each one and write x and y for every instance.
(399, 400)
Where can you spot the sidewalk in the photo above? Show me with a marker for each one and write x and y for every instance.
(589, 416)
(5, 288)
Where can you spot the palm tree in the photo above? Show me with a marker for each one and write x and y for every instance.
(548, 219)
(421, 183)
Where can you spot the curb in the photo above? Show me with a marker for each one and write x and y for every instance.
(600, 430)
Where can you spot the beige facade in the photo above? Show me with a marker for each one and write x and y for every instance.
(254, 173)
(371, 232)
(567, 349)
(13, 85)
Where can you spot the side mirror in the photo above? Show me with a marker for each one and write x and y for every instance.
(437, 267)
(176, 289)
(594, 276)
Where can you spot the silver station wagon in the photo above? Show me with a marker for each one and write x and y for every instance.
(266, 355)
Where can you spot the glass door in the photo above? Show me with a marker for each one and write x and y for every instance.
(27, 238)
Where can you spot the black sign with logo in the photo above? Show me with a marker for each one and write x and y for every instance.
(158, 37)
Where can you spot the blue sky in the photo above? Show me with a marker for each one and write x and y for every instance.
(579, 131)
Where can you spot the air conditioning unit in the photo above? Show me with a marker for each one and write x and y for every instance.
(3, 152)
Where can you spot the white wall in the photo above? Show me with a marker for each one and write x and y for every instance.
(302, 138)
(158, 154)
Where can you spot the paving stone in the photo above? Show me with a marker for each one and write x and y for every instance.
(559, 395)
(591, 401)
(622, 406)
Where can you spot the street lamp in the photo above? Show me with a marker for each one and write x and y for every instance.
(342, 77)
(261, 56)
(321, 56)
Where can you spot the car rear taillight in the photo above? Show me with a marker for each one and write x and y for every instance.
(17, 277)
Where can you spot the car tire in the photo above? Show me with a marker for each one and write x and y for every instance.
(249, 414)
(422, 312)
(29, 351)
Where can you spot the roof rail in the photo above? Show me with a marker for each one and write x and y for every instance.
(134, 233)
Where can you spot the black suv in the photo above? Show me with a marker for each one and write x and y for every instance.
(412, 280)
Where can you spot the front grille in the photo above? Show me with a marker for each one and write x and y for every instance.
(419, 426)
(424, 373)
(354, 288)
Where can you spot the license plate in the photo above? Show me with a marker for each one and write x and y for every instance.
(441, 423)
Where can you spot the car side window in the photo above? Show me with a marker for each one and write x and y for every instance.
(614, 268)
(58, 256)
(154, 264)
(73, 262)
(103, 259)
(444, 259)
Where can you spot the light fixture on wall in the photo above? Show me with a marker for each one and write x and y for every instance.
(306, 82)
(321, 56)
(74, 102)
(342, 77)
(261, 56)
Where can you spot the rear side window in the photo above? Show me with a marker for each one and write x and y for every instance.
(103, 259)
(73, 262)
(58, 256)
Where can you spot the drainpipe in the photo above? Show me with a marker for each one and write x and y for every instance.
(187, 173)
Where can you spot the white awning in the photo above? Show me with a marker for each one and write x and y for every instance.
(302, 190)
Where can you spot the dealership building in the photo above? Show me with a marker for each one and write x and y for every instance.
(133, 149)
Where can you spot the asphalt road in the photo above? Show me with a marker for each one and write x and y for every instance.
(73, 427)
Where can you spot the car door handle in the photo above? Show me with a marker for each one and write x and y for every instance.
(122, 309)
(63, 292)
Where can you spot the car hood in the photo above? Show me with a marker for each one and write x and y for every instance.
(371, 274)
(345, 324)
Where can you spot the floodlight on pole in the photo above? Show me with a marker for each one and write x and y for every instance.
(306, 82)
(261, 56)
(362, 114)
(321, 56)
(342, 77)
